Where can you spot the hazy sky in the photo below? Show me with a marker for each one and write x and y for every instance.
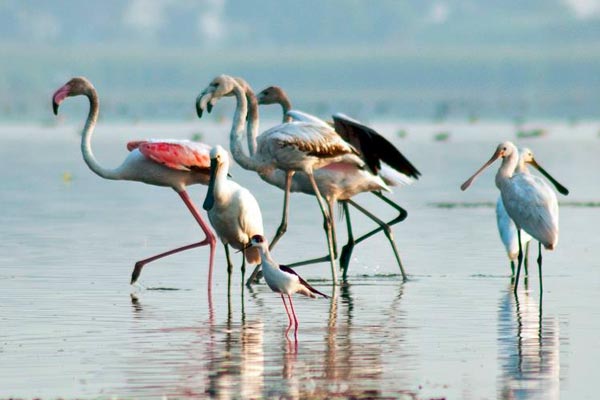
(309, 22)
(415, 58)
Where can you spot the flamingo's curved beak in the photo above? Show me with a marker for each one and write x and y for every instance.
(199, 105)
(204, 101)
(209, 201)
(561, 189)
(497, 154)
(59, 96)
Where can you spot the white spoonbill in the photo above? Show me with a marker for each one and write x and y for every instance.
(171, 163)
(341, 182)
(292, 147)
(232, 210)
(529, 200)
(506, 226)
(283, 280)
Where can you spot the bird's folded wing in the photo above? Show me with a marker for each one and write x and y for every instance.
(183, 155)
(289, 270)
(313, 139)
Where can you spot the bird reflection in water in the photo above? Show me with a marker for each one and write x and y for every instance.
(529, 349)
(352, 363)
(236, 367)
(239, 358)
(216, 359)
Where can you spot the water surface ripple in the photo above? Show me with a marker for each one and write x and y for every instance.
(71, 326)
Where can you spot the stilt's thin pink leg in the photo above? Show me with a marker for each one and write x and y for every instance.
(208, 240)
(288, 314)
(295, 319)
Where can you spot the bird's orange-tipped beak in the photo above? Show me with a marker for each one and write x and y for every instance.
(561, 189)
(59, 96)
(497, 154)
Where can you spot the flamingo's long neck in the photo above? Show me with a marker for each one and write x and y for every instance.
(507, 169)
(252, 122)
(86, 140)
(252, 116)
(237, 131)
(286, 105)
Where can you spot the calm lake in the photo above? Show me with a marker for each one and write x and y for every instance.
(72, 326)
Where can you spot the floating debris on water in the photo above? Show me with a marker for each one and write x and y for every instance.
(441, 136)
(489, 204)
(197, 137)
(531, 133)
(481, 204)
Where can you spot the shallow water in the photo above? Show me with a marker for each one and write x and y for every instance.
(73, 327)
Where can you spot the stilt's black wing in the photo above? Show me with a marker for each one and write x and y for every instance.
(373, 147)
(287, 269)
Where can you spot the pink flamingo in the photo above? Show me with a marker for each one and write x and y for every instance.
(170, 163)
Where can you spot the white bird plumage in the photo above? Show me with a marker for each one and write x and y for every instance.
(283, 280)
(529, 200)
(232, 210)
(506, 226)
(508, 234)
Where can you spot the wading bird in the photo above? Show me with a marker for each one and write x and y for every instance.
(290, 147)
(283, 280)
(506, 226)
(232, 210)
(340, 182)
(170, 163)
(529, 200)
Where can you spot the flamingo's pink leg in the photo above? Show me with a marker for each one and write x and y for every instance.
(295, 319)
(288, 314)
(209, 239)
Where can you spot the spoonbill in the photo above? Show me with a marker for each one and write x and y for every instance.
(529, 200)
(170, 163)
(283, 280)
(291, 147)
(384, 160)
(506, 226)
(232, 210)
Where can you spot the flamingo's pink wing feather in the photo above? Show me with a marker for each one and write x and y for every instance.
(181, 155)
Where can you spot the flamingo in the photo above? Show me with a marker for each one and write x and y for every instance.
(232, 210)
(506, 226)
(283, 280)
(343, 183)
(170, 163)
(290, 147)
(529, 200)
